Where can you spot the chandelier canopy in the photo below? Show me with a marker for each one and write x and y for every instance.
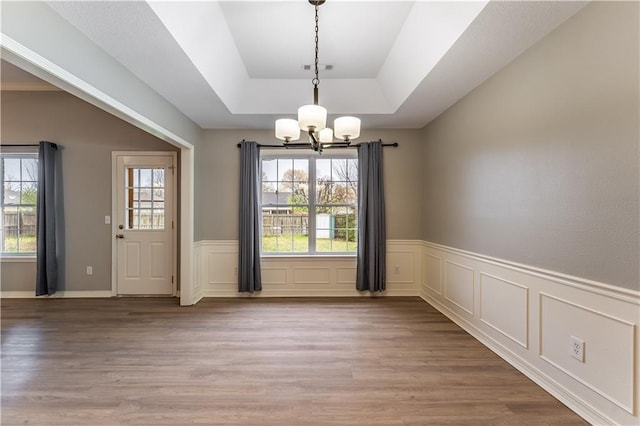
(313, 118)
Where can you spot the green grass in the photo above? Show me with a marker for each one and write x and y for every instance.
(27, 244)
(283, 243)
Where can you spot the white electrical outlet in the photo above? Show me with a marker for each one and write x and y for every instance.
(107, 220)
(89, 270)
(577, 348)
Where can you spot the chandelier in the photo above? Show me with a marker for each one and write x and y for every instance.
(313, 118)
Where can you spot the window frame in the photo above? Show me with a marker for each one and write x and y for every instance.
(21, 153)
(347, 154)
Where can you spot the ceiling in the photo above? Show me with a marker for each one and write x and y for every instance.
(239, 64)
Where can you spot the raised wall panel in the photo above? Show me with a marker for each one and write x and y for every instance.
(274, 276)
(609, 348)
(346, 276)
(504, 306)
(432, 272)
(222, 267)
(308, 275)
(459, 286)
(197, 274)
(400, 267)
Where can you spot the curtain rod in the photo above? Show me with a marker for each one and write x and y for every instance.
(394, 145)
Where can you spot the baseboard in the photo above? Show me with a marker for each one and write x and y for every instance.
(231, 292)
(58, 295)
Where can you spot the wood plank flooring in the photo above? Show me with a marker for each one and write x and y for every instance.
(364, 361)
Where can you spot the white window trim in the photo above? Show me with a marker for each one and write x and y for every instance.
(12, 258)
(319, 255)
(279, 154)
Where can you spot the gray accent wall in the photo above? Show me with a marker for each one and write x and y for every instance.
(87, 136)
(217, 181)
(539, 165)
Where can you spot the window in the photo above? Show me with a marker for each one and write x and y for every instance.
(145, 198)
(19, 173)
(294, 186)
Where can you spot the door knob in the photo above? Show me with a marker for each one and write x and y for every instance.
(119, 236)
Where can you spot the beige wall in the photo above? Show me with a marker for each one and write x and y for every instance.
(539, 165)
(217, 181)
(87, 136)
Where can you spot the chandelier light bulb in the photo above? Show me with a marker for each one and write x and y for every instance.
(287, 129)
(312, 117)
(326, 135)
(347, 128)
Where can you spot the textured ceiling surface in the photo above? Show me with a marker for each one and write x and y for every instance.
(238, 64)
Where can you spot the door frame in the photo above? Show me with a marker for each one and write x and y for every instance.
(114, 214)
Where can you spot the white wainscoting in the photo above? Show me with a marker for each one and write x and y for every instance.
(216, 264)
(528, 316)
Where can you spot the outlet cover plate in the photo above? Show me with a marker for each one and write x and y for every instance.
(576, 348)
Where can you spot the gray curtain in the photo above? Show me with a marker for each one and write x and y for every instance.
(372, 238)
(249, 278)
(48, 208)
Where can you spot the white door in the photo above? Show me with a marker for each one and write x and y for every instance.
(144, 224)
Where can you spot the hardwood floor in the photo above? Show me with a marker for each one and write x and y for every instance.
(369, 361)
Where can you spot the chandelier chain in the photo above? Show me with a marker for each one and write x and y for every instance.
(316, 80)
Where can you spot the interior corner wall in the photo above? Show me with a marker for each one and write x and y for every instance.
(218, 171)
(540, 164)
(87, 136)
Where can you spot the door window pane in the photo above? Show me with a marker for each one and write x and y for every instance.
(145, 191)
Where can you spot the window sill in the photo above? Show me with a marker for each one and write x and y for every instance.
(18, 259)
(308, 256)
